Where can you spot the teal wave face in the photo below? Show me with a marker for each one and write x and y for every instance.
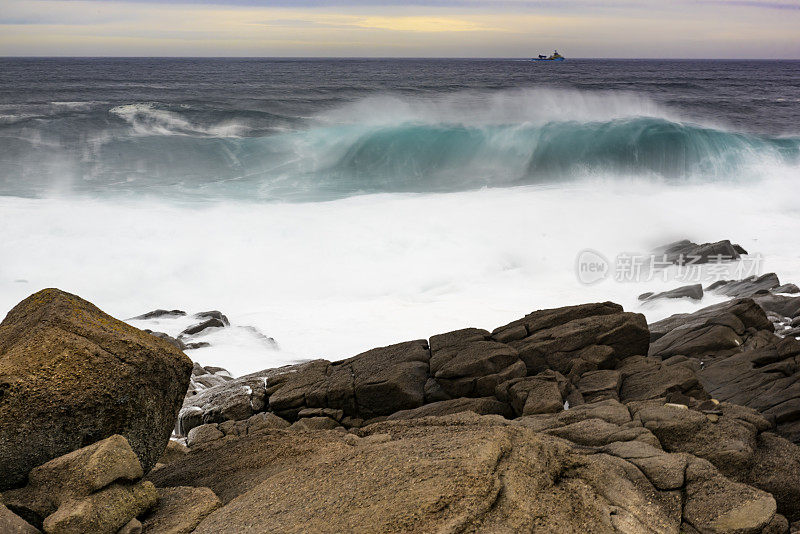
(335, 161)
(653, 146)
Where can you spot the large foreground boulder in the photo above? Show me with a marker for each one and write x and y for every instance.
(71, 375)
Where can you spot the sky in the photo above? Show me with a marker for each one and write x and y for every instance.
(415, 28)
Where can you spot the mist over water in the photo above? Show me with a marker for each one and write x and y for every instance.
(337, 206)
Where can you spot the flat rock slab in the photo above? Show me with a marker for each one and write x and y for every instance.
(467, 474)
(694, 292)
(746, 287)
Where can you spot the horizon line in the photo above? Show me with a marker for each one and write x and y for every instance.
(475, 58)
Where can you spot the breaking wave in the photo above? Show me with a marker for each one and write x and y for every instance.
(390, 144)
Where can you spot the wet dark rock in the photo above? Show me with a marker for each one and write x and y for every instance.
(197, 328)
(645, 378)
(156, 314)
(792, 332)
(780, 304)
(460, 364)
(786, 288)
(375, 383)
(576, 339)
(169, 339)
(544, 393)
(600, 385)
(717, 327)
(746, 287)
(472, 368)
(741, 360)
(220, 371)
(230, 399)
(693, 292)
(270, 342)
(213, 314)
(196, 345)
(687, 252)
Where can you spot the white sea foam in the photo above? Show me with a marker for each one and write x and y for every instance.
(147, 119)
(332, 279)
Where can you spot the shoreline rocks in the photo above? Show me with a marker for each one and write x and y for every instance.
(571, 419)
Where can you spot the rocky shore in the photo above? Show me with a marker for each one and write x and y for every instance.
(576, 419)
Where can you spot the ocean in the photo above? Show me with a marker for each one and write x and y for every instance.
(338, 205)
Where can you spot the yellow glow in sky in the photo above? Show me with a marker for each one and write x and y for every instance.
(512, 28)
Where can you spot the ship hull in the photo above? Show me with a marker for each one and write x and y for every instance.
(548, 59)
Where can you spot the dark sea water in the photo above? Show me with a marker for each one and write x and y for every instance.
(314, 129)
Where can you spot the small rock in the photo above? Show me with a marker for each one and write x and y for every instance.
(693, 292)
(74, 476)
(197, 328)
(108, 510)
(155, 314)
(168, 338)
(213, 314)
(219, 371)
(196, 345)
